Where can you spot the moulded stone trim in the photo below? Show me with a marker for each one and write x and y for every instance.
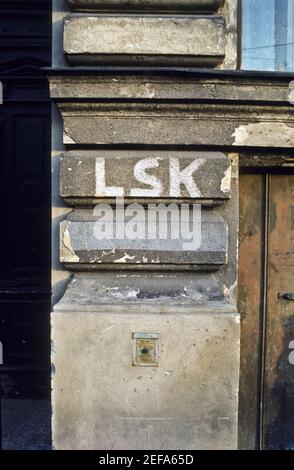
(138, 40)
(178, 124)
(173, 87)
(170, 5)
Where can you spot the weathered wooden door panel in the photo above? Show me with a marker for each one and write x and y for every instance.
(266, 269)
(251, 274)
(278, 415)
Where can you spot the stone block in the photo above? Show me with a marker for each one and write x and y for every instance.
(101, 401)
(159, 40)
(88, 176)
(147, 236)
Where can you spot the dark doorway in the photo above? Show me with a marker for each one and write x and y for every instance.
(25, 121)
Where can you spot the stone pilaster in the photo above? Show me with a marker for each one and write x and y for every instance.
(146, 336)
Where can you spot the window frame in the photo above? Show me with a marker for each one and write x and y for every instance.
(240, 8)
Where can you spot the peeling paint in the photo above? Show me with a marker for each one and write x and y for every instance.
(271, 134)
(129, 294)
(67, 139)
(124, 258)
(226, 181)
(230, 292)
(132, 294)
(70, 253)
(230, 11)
(148, 91)
(234, 157)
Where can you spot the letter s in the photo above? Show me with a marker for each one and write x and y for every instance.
(141, 175)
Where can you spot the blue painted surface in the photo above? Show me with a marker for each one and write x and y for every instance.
(268, 35)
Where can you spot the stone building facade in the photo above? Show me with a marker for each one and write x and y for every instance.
(148, 106)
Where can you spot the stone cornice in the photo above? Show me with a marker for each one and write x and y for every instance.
(158, 5)
(211, 88)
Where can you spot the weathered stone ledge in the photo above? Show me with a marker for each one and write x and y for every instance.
(250, 90)
(170, 5)
(152, 291)
(80, 242)
(159, 40)
(178, 124)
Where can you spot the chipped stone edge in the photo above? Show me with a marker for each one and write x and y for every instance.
(67, 252)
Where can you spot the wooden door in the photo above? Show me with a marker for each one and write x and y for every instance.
(266, 304)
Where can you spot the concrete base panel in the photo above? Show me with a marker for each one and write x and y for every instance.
(102, 401)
